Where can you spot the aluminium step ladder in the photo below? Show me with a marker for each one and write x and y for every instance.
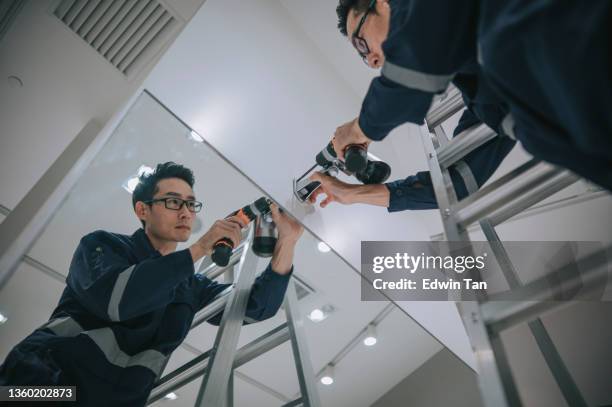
(218, 363)
(514, 192)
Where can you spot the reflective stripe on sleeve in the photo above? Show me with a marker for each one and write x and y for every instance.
(415, 79)
(117, 294)
(507, 126)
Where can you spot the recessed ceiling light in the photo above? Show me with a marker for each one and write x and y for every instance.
(316, 315)
(3, 318)
(196, 137)
(131, 183)
(144, 169)
(323, 248)
(369, 341)
(171, 396)
(319, 314)
(328, 376)
(326, 380)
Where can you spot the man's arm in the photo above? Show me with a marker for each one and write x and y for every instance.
(265, 298)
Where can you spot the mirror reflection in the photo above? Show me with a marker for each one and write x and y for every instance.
(112, 222)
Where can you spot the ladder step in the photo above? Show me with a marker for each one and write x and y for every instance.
(197, 366)
(463, 144)
(526, 303)
(538, 194)
(512, 193)
(294, 403)
(217, 305)
(448, 107)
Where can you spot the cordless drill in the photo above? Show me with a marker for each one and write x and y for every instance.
(361, 167)
(222, 249)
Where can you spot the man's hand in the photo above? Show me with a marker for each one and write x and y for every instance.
(288, 228)
(347, 134)
(224, 228)
(289, 232)
(348, 194)
(334, 189)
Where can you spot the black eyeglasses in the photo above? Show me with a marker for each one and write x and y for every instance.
(360, 43)
(176, 204)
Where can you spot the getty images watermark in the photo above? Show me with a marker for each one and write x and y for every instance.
(516, 271)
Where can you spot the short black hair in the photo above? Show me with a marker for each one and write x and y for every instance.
(346, 6)
(147, 183)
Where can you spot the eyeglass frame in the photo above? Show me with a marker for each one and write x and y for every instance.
(184, 202)
(357, 40)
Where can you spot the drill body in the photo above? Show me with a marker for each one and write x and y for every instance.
(222, 250)
(356, 164)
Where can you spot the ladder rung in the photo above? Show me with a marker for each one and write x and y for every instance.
(464, 143)
(448, 107)
(197, 366)
(526, 303)
(212, 271)
(217, 305)
(513, 192)
(294, 403)
(532, 197)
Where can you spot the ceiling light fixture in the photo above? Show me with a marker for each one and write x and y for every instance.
(328, 376)
(3, 319)
(320, 314)
(323, 248)
(370, 337)
(195, 136)
(316, 315)
(171, 396)
(131, 183)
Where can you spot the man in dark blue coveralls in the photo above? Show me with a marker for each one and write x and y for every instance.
(546, 63)
(416, 191)
(130, 300)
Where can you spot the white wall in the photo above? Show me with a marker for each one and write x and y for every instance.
(265, 97)
(441, 381)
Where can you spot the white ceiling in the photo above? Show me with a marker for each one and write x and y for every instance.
(317, 18)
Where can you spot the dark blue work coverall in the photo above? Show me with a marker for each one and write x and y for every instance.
(483, 106)
(124, 309)
(547, 61)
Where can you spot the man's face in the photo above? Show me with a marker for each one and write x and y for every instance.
(168, 224)
(374, 31)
